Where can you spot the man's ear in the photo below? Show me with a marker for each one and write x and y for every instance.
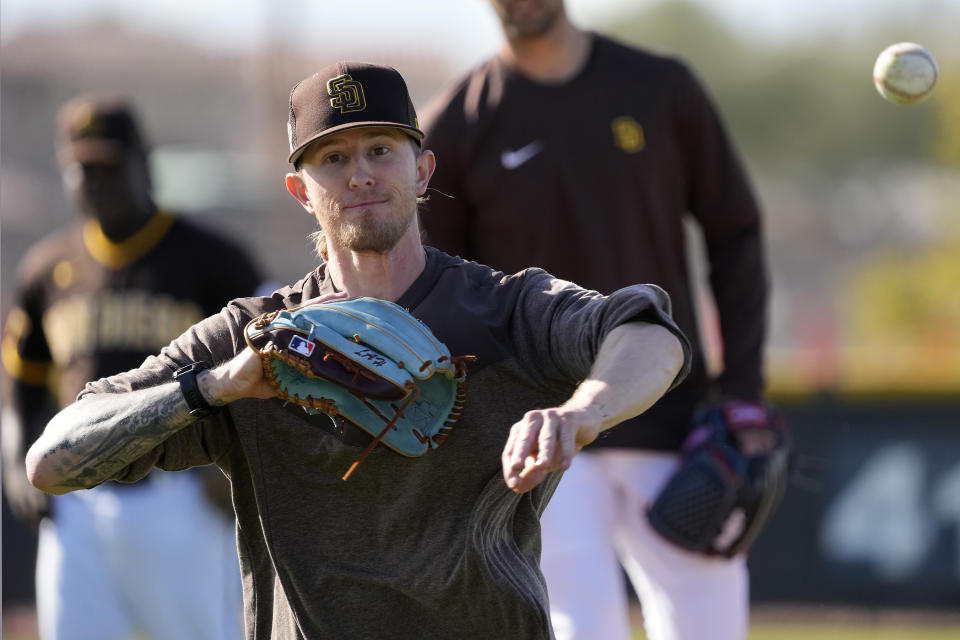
(298, 189)
(426, 164)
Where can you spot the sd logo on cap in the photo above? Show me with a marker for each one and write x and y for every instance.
(347, 95)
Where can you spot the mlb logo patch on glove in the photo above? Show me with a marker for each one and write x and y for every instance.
(301, 346)
(367, 361)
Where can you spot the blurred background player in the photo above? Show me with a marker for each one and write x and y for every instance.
(583, 156)
(94, 299)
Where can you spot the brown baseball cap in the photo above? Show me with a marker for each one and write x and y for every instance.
(98, 128)
(347, 95)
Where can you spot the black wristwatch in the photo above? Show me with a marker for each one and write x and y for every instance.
(187, 377)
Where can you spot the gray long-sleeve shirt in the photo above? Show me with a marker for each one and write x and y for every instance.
(435, 546)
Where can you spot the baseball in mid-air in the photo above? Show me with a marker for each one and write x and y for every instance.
(905, 73)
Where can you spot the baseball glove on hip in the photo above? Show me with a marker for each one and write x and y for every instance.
(367, 361)
(719, 499)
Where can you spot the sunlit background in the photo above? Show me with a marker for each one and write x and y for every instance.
(862, 203)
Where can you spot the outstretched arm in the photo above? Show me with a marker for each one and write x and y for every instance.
(636, 364)
(91, 440)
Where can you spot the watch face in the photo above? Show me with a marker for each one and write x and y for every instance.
(189, 368)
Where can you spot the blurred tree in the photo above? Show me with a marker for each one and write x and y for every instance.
(947, 99)
(901, 318)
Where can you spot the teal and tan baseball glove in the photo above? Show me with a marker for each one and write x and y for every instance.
(367, 361)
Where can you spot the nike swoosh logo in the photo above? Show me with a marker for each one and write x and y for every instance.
(513, 159)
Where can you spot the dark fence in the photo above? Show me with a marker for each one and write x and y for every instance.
(872, 516)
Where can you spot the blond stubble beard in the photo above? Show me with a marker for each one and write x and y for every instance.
(368, 232)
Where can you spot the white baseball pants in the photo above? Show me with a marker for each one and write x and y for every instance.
(596, 523)
(155, 558)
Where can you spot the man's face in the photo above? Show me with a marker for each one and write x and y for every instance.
(362, 186)
(109, 190)
(528, 18)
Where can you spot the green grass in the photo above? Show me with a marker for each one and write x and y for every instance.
(832, 632)
(766, 629)
(842, 632)
(799, 632)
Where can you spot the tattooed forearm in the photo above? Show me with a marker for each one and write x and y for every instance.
(169, 409)
(93, 439)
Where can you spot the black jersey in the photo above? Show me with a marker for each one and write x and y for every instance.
(87, 307)
(591, 179)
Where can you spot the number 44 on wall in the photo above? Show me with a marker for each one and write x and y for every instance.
(888, 517)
